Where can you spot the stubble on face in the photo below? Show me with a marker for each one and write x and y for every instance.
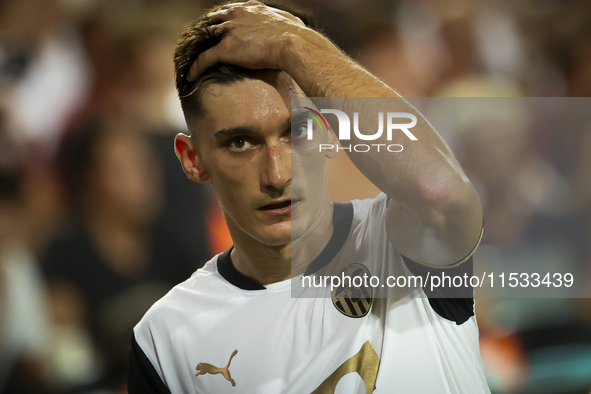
(257, 112)
(242, 144)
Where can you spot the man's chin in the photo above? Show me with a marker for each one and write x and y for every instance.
(284, 230)
(276, 234)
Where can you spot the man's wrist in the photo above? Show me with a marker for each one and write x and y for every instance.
(300, 54)
(293, 50)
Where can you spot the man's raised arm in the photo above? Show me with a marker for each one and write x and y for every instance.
(434, 215)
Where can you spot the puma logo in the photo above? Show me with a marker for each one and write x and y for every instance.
(203, 368)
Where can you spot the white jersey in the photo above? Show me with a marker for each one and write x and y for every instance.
(221, 332)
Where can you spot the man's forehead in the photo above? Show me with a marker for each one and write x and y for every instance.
(267, 94)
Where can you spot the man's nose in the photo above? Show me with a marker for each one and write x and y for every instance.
(276, 171)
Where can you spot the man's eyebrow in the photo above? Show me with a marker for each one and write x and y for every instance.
(298, 117)
(250, 131)
(234, 132)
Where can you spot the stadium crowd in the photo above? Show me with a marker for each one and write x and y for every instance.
(97, 220)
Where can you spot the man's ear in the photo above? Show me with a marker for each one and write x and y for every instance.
(334, 141)
(185, 150)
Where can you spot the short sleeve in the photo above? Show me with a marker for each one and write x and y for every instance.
(142, 377)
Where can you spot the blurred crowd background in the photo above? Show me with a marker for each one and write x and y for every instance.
(97, 220)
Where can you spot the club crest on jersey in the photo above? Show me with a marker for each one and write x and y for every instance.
(353, 298)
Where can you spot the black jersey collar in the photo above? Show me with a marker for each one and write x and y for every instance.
(341, 221)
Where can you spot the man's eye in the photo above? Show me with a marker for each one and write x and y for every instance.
(239, 145)
(299, 132)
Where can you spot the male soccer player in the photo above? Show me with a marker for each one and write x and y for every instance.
(234, 327)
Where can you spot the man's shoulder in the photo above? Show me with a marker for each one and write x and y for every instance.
(182, 300)
(154, 336)
(370, 206)
(369, 217)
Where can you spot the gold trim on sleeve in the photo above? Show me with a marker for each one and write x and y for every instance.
(457, 262)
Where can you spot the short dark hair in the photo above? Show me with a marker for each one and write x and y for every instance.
(198, 37)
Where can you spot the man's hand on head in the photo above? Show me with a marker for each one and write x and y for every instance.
(253, 36)
(256, 36)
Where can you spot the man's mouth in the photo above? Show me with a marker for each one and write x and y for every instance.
(279, 208)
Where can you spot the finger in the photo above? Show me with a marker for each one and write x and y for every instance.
(253, 2)
(223, 15)
(226, 7)
(220, 30)
(288, 15)
(227, 10)
(205, 60)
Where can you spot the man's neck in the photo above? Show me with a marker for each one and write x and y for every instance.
(270, 264)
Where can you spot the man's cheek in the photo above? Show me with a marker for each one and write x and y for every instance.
(305, 161)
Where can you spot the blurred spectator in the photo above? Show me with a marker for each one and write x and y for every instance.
(137, 219)
(110, 264)
(23, 319)
(43, 70)
(131, 46)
